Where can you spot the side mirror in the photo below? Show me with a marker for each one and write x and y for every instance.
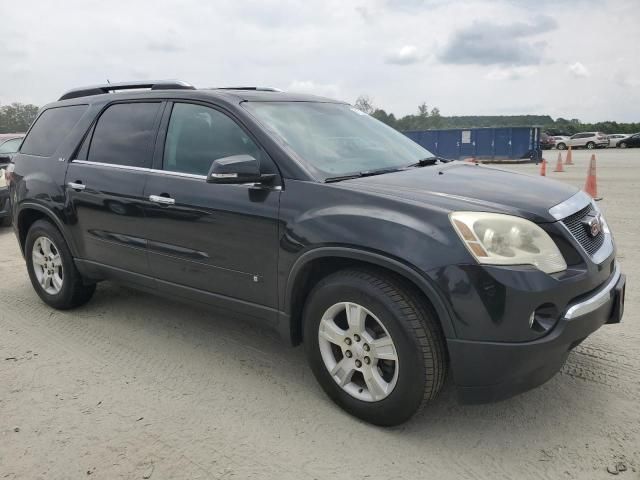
(237, 169)
(5, 158)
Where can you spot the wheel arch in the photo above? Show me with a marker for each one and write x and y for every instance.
(29, 213)
(316, 264)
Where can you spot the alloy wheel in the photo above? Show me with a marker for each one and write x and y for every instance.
(47, 265)
(358, 351)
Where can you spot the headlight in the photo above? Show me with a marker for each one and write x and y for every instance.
(497, 239)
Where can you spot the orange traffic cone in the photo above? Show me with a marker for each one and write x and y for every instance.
(569, 159)
(591, 185)
(559, 167)
(543, 168)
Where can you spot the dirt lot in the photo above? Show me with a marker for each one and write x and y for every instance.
(135, 386)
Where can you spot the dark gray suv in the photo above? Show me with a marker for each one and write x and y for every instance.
(306, 215)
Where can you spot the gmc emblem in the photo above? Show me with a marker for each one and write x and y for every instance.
(593, 225)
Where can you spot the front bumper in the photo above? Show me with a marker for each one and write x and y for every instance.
(490, 371)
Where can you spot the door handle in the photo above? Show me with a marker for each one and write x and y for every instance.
(77, 186)
(162, 200)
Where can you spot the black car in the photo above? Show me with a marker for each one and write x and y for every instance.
(311, 217)
(9, 144)
(628, 142)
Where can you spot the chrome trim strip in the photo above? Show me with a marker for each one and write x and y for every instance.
(597, 300)
(162, 172)
(177, 174)
(574, 204)
(112, 165)
(141, 169)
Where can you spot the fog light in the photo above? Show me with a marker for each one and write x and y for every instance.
(543, 318)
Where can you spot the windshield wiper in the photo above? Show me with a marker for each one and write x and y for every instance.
(423, 162)
(365, 173)
(339, 179)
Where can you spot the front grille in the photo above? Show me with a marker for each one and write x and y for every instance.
(574, 223)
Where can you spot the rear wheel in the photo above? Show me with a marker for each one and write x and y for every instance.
(561, 146)
(51, 269)
(591, 145)
(374, 345)
(622, 145)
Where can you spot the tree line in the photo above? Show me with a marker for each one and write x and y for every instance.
(427, 119)
(17, 117)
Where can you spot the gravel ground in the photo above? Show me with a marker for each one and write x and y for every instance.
(136, 386)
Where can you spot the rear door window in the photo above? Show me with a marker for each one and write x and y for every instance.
(125, 135)
(50, 129)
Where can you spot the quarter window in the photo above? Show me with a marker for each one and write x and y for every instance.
(125, 135)
(50, 129)
(198, 135)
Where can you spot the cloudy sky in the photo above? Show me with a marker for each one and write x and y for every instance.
(569, 58)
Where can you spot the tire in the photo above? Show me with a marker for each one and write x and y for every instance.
(5, 222)
(393, 311)
(561, 146)
(71, 290)
(591, 145)
(622, 145)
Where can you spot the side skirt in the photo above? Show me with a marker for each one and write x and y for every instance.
(257, 314)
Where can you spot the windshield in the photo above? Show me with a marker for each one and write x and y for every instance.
(337, 139)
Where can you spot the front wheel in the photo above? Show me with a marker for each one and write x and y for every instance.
(374, 345)
(561, 146)
(622, 145)
(591, 145)
(53, 274)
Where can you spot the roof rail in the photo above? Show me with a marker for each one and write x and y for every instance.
(113, 87)
(258, 89)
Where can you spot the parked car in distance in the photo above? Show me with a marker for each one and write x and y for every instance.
(588, 140)
(547, 142)
(630, 141)
(560, 139)
(614, 138)
(306, 215)
(9, 143)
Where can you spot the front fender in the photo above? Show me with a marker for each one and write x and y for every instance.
(378, 259)
(410, 238)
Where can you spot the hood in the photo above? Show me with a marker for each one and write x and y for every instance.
(459, 186)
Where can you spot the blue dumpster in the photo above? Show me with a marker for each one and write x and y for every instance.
(504, 143)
